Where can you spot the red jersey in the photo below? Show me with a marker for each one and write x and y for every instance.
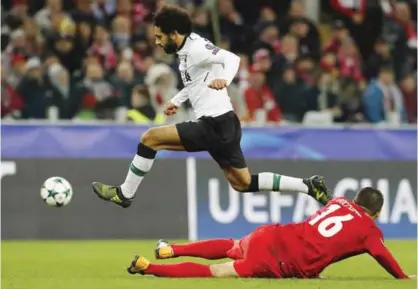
(338, 231)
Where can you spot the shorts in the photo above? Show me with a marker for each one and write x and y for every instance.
(257, 254)
(220, 136)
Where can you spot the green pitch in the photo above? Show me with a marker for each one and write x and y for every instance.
(97, 264)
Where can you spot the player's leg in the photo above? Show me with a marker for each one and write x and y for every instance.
(238, 174)
(141, 265)
(259, 255)
(208, 249)
(187, 136)
(229, 156)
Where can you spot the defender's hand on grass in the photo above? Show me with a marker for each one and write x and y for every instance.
(218, 84)
(170, 109)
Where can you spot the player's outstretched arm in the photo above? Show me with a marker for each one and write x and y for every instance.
(382, 255)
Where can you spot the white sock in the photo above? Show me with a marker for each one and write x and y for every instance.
(137, 170)
(276, 182)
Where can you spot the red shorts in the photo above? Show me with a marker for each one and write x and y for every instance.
(256, 254)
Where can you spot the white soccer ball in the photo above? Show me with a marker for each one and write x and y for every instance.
(56, 191)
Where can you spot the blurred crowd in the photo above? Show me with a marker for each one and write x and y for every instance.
(96, 59)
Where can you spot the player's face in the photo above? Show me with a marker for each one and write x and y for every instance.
(166, 41)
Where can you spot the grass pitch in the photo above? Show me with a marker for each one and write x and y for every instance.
(102, 264)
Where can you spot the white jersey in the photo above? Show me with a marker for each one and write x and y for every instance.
(200, 63)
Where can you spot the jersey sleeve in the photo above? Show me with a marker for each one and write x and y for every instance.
(210, 54)
(376, 248)
(181, 97)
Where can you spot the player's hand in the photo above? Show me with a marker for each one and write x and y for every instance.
(170, 109)
(218, 84)
(413, 277)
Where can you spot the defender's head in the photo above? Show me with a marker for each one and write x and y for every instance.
(171, 25)
(371, 200)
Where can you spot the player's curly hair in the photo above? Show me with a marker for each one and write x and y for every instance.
(370, 198)
(170, 18)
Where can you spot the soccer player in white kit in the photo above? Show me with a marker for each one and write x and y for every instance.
(206, 71)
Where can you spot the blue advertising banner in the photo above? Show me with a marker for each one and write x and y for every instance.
(348, 158)
(219, 211)
(120, 141)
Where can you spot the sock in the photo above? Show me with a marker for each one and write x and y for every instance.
(141, 164)
(184, 270)
(268, 181)
(209, 249)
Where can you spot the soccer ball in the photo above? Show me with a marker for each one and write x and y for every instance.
(56, 191)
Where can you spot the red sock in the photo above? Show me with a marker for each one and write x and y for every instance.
(210, 249)
(185, 270)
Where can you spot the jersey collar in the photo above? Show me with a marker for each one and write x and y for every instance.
(183, 43)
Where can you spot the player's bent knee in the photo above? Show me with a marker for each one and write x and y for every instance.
(241, 186)
(150, 138)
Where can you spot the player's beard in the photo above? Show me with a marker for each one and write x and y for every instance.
(170, 47)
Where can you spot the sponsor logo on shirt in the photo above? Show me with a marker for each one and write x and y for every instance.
(215, 51)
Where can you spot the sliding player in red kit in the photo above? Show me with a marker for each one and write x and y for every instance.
(341, 229)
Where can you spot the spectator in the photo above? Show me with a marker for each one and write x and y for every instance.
(141, 46)
(34, 39)
(354, 10)
(121, 32)
(20, 10)
(94, 97)
(401, 13)
(289, 52)
(339, 34)
(305, 69)
(232, 24)
(102, 48)
(16, 48)
(17, 70)
(409, 92)
(142, 111)
(363, 18)
(68, 52)
(136, 10)
(297, 13)
(329, 63)
(351, 104)
(11, 102)
(59, 80)
(259, 99)
(44, 17)
(162, 84)
(308, 46)
(320, 97)
(290, 95)
(83, 12)
(104, 10)
(267, 14)
(380, 57)
(202, 24)
(383, 100)
(268, 38)
(123, 81)
(84, 36)
(394, 31)
(35, 93)
(349, 61)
